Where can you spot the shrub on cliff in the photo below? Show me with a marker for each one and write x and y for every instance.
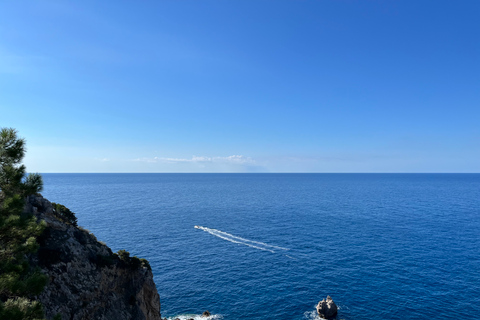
(132, 262)
(20, 309)
(18, 233)
(64, 213)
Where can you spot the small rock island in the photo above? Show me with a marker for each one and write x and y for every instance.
(327, 309)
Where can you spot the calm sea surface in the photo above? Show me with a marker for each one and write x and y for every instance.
(270, 246)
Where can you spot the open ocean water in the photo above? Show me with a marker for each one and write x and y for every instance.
(270, 246)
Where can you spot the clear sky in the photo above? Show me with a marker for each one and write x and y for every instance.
(243, 86)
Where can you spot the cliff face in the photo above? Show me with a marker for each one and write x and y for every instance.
(86, 280)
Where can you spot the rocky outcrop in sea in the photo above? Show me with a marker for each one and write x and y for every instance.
(86, 279)
(327, 309)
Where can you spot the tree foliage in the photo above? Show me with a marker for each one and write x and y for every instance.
(19, 282)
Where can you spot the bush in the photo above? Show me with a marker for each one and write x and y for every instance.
(146, 264)
(64, 213)
(132, 262)
(124, 255)
(21, 309)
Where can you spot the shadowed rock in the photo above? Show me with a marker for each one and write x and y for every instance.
(327, 309)
(86, 280)
(206, 314)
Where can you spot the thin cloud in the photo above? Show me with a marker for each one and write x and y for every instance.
(234, 159)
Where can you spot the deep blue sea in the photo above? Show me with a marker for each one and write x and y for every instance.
(270, 246)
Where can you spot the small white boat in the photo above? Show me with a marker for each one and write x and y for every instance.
(197, 227)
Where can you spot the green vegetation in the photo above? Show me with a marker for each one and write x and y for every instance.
(64, 214)
(19, 281)
(18, 232)
(132, 262)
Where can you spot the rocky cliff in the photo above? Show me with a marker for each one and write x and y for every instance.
(87, 280)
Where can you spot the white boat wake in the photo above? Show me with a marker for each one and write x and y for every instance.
(235, 239)
(195, 317)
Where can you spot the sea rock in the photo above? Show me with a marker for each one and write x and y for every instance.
(86, 280)
(206, 314)
(327, 309)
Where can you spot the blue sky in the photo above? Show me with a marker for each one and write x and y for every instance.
(243, 86)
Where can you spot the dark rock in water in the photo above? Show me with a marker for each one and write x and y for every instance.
(206, 314)
(327, 309)
(86, 280)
